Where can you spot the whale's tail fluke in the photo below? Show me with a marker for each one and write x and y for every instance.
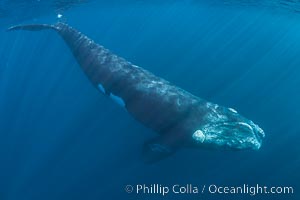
(80, 45)
(32, 27)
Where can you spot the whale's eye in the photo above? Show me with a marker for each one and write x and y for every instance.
(199, 136)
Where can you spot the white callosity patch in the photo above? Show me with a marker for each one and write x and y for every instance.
(232, 110)
(260, 131)
(59, 15)
(214, 115)
(117, 99)
(255, 142)
(101, 88)
(199, 136)
(245, 125)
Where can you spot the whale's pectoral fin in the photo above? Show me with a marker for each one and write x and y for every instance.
(154, 151)
(158, 148)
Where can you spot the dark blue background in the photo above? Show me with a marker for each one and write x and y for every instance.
(61, 139)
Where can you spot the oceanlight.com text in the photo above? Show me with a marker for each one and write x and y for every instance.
(213, 189)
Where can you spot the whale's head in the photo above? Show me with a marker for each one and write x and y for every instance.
(224, 128)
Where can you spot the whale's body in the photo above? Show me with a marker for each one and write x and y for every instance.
(180, 118)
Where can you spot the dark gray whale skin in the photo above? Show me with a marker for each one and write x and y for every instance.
(180, 118)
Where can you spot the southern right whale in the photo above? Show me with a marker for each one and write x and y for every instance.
(180, 118)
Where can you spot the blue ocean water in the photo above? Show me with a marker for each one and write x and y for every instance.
(61, 139)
